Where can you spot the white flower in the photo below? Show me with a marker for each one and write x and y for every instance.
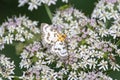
(104, 16)
(33, 4)
(2, 30)
(6, 67)
(92, 63)
(84, 63)
(20, 29)
(72, 76)
(9, 39)
(114, 14)
(114, 66)
(28, 35)
(40, 55)
(25, 63)
(59, 64)
(100, 54)
(75, 66)
(118, 51)
(24, 54)
(73, 44)
(103, 65)
(19, 37)
(11, 29)
(114, 30)
(22, 2)
(2, 43)
(82, 75)
(103, 32)
(49, 2)
(83, 49)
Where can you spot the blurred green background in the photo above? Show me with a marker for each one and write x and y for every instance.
(9, 8)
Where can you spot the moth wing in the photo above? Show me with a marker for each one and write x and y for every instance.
(59, 48)
(49, 34)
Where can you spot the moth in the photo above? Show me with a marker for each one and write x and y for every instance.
(54, 38)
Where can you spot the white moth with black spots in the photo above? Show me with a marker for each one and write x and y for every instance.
(54, 38)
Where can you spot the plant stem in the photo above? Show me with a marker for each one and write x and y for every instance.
(118, 42)
(48, 12)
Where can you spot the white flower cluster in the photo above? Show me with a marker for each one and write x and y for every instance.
(88, 76)
(33, 4)
(107, 14)
(83, 42)
(65, 33)
(73, 47)
(17, 29)
(36, 60)
(42, 65)
(6, 68)
(68, 48)
(69, 15)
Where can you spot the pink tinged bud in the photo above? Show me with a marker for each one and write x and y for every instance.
(92, 22)
(83, 30)
(38, 75)
(35, 48)
(105, 45)
(84, 36)
(86, 32)
(18, 22)
(105, 49)
(13, 24)
(110, 49)
(79, 39)
(99, 47)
